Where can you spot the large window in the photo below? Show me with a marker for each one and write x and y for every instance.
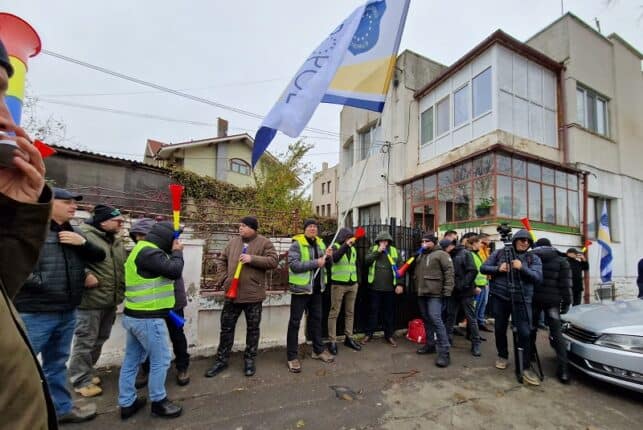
(461, 106)
(442, 116)
(427, 125)
(370, 142)
(594, 211)
(482, 93)
(239, 166)
(497, 185)
(591, 110)
(369, 214)
(348, 151)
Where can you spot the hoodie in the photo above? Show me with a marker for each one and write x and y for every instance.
(530, 274)
(556, 288)
(383, 274)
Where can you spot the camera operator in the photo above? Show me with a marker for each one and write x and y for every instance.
(511, 283)
(553, 296)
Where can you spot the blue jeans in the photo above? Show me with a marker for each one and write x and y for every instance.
(50, 334)
(482, 304)
(146, 337)
(431, 311)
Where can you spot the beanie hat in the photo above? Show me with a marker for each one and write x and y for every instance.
(308, 222)
(445, 243)
(142, 226)
(4, 60)
(251, 222)
(103, 213)
(543, 241)
(430, 238)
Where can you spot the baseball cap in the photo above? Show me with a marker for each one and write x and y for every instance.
(63, 194)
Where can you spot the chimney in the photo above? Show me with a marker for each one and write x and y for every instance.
(324, 165)
(222, 127)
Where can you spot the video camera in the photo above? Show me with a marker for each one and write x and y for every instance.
(505, 233)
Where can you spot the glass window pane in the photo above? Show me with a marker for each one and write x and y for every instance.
(572, 181)
(592, 225)
(482, 93)
(549, 214)
(519, 167)
(601, 126)
(520, 198)
(417, 193)
(561, 178)
(561, 206)
(503, 163)
(462, 172)
(407, 202)
(503, 196)
(461, 106)
(445, 197)
(483, 196)
(580, 106)
(591, 110)
(533, 171)
(429, 183)
(483, 165)
(462, 202)
(534, 201)
(427, 125)
(445, 177)
(443, 116)
(573, 209)
(548, 175)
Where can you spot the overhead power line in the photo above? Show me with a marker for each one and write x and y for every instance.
(170, 90)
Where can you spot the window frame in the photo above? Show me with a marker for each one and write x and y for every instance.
(240, 163)
(590, 115)
(473, 93)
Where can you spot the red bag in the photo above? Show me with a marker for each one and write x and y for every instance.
(416, 332)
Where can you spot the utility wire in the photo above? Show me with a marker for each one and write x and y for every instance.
(169, 90)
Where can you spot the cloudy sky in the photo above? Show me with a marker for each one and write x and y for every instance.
(239, 53)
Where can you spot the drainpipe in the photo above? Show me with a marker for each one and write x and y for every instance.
(562, 116)
(585, 233)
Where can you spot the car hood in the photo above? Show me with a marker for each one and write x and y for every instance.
(621, 317)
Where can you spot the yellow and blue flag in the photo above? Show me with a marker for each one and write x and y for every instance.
(353, 66)
(606, 250)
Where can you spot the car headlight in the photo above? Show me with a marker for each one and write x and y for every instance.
(622, 341)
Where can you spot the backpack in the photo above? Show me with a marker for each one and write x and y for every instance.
(416, 332)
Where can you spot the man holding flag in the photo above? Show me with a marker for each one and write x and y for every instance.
(352, 66)
(259, 256)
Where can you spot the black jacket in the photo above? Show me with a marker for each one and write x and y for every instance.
(530, 274)
(556, 288)
(465, 272)
(57, 282)
(154, 262)
(577, 267)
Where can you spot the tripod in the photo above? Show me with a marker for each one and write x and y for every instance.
(509, 256)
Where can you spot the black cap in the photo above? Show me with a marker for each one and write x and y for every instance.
(308, 222)
(103, 213)
(430, 238)
(251, 222)
(543, 241)
(4, 60)
(63, 194)
(573, 250)
(445, 243)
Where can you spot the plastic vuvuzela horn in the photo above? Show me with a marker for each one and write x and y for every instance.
(234, 286)
(176, 191)
(525, 222)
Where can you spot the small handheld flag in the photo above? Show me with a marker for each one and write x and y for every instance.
(360, 232)
(44, 149)
(234, 286)
(525, 222)
(402, 270)
(176, 191)
(176, 319)
(588, 243)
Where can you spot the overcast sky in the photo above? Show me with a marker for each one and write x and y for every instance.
(240, 53)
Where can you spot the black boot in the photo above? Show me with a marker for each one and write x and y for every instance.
(332, 348)
(426, 349)
(475, 349)
(166, 409)
(443, 359)
(130, 410)
(349, 342)
(563, 373)
(249, 368)
(217, 368)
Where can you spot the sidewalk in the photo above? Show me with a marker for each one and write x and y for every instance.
(393, 388)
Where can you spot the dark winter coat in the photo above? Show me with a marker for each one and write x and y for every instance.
(530, 274)
(24, 397)
(383, 280)
(577, 268)
(556, 288)
(433, 273)
(465, 272)
(57, 282)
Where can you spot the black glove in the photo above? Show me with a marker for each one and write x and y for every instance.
(564, 308)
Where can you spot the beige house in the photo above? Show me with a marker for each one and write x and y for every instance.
(225, 158)
(325, 184)
(545, 130)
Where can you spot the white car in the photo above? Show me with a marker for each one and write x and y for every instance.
(605, 341)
